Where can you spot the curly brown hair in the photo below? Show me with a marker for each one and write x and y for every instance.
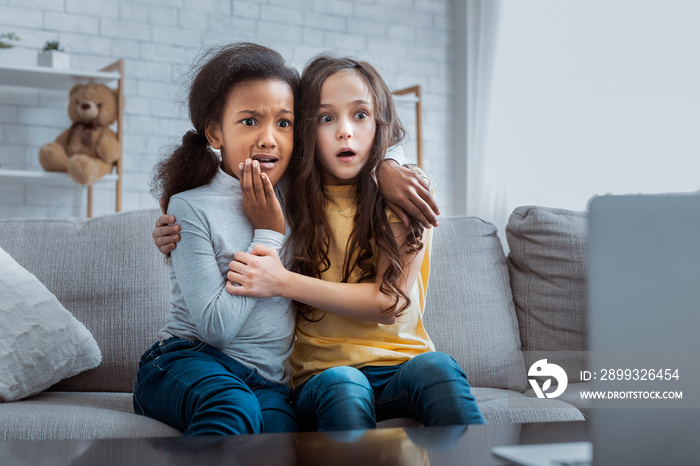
(216, 71)
(306, 199)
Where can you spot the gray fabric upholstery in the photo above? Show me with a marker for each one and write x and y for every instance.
(506, 406)
(106, 272)
(547, 265)
(469, 311)
(77, 415)
(572, 396)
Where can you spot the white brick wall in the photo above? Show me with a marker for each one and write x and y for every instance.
(409, 41)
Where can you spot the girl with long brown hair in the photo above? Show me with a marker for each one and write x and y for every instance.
(359, 275)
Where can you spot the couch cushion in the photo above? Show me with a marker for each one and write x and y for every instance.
(77, 415)
(108, 273)
(469, 310)
(547, 265)
(572, 396)
(506, 406)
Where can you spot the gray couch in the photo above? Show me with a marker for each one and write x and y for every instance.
(495, 315)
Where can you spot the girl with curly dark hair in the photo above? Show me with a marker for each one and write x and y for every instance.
(218, 365)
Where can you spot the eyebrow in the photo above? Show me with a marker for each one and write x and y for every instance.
(258, 114)
(355, 102)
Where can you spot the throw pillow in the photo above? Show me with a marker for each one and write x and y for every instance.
(547, 264)
(41, 342)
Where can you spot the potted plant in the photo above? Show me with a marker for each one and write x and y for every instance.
(8, 39)
(52, 55)
(10, 54)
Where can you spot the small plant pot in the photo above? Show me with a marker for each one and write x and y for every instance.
(54, 59)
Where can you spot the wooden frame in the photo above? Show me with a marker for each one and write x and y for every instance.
(117, 66)
(419, 126)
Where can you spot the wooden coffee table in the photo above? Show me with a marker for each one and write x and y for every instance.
(434, 446)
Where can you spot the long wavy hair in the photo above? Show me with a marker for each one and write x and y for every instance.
(216, 71)
(307, 201)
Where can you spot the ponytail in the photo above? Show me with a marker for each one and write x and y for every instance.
(193, 138)
(190, 165)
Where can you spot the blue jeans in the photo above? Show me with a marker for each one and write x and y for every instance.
(197, 389)
(431, 388)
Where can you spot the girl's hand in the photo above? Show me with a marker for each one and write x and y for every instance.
(165, 234)
(259, 200)
(407, 193)
(259, 274)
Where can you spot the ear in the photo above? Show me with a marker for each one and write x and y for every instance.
(213, 133)
(76, 88)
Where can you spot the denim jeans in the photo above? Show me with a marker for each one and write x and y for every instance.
(431, 388)
(197, 389)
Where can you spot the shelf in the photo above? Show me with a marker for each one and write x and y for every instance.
(53, 178)
(41, 77)
(51, 78)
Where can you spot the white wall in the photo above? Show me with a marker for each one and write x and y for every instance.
(409, 41)
(592, 97)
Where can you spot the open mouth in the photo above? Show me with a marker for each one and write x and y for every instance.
(266, 162)
(345, 154)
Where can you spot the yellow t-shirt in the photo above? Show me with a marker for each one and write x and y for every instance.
(340, 341)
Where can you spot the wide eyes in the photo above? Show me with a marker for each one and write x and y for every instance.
(359, 115)
(252, 122)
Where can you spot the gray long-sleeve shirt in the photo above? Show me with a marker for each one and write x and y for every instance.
(258, 333)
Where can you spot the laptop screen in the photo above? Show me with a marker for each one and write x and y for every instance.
(644, 328)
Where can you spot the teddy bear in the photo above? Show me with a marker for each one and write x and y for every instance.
(89, 148)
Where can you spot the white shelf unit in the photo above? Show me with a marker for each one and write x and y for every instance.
(52, 178)
(62, 79)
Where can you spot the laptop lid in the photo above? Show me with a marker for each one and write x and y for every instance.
(644, 328)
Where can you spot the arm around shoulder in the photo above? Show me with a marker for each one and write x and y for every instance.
(407, 191)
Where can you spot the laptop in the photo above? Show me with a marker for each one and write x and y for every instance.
(644, 323)
(644, 335)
